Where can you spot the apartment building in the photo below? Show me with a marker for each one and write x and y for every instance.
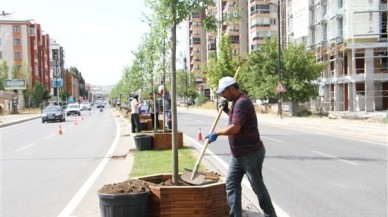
(25, 49)
(202, 43)
(31, 54)
(351, 36)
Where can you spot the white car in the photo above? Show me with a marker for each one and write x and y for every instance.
(73, 108)
(86, 106)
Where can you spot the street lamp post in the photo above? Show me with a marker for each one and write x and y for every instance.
(56, 75)
(185, 67)
(280, 112)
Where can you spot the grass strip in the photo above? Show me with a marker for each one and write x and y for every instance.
(161, 161)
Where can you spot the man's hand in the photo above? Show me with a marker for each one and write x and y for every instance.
(212, 137)
(224, 105)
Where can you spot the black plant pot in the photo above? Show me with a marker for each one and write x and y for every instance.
(124, 205)
(143, 142)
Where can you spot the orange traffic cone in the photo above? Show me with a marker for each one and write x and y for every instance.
(60, 130)
(75, 121)
(199, 136)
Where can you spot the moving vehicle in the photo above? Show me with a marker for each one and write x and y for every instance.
(73, 108)
(53, 113)
(100, 105)
(86, 106)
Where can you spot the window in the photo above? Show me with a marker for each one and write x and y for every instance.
(16, 28)
(340, 3)
(32, 31)
(196, 40)
(324, 7)
(383, 25)
(324, 32)
(17, 55)
(16, 42)
(195, 15)
(340, 23)
(261, 35)
(234, 39)
(261, 22)
(260, 9)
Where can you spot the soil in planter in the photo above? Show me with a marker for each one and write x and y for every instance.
(129, 186)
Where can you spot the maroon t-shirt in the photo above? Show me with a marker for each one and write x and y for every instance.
(247, 140)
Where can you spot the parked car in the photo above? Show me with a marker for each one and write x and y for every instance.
(53, 113)
(86, 106)
(73, 108)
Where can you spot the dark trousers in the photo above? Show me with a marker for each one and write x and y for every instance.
(155, 117)
(135, 122)
(251, 166)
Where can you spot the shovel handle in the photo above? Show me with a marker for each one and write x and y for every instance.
(199, 159)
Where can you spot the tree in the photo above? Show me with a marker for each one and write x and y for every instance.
(225, 64)
(3, 73)
(39, 94)
(169, 14)
(186, 85)
(299, 70)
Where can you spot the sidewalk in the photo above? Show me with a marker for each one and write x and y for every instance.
(10, 119)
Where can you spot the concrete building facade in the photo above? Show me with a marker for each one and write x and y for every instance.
(349, 35)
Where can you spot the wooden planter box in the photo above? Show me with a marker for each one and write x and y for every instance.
(144, 117)
(186, 201)
(162, 141)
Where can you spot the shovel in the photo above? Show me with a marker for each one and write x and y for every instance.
(194, 177)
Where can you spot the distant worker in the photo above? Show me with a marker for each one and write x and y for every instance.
(154, 110)
(135, 120)
(165, 104)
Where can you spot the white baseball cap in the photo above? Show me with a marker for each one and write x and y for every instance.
(224, 83)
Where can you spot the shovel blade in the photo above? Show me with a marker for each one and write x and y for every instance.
(197, 179)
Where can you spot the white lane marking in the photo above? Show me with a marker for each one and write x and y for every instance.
(279, 211)
(48, 137)
(337, 158)
(70, 207)
(25, 147)
(271, 139)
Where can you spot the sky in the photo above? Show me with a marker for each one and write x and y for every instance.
(98, 36)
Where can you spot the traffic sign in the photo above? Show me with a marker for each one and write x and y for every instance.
(280, 88)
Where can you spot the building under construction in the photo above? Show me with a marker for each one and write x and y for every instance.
(349, 35)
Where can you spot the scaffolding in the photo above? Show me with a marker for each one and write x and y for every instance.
(356, 77)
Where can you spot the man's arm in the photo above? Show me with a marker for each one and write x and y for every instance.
(229, 130)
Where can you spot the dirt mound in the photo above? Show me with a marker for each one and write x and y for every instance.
(126, 187)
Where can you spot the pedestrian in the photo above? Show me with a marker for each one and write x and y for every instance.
(135, 120)
(246, 147)
(153, 110)
(165, 104)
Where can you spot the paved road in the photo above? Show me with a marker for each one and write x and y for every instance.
(315, 169)
(354, 130)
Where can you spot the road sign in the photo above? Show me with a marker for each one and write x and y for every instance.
(15, 84)
(280, 88)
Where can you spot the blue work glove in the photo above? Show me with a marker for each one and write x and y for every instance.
(224, 105)
(212, 137)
